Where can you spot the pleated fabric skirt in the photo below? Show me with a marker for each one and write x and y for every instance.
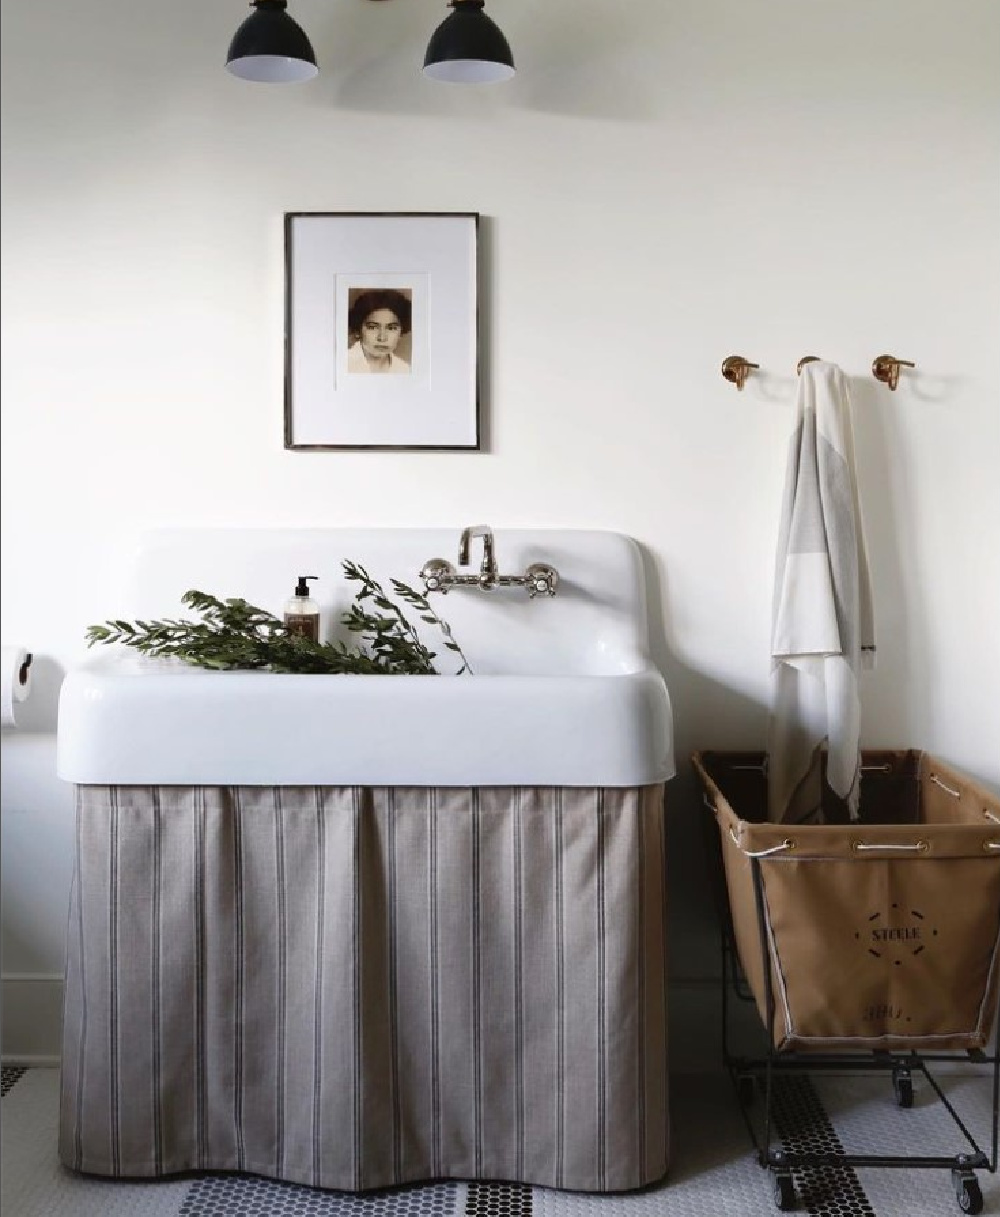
(352, 988)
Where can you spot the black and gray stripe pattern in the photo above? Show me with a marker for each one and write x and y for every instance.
(393, 909)
(476, 964)
(355, 988)
(437, 1160)
(602, 1026)
(156, 982)
(114, 1041)
(200, 932)
(81, 1010)
(640, 973)
(238, 956)
(517, 910)
(281, 1003)
(357, 1021)
(319, 964)
(560, 981)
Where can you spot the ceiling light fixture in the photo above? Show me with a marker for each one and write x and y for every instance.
(270, 47)
(468, 48)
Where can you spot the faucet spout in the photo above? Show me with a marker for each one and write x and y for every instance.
(539, 578)
(488, 569)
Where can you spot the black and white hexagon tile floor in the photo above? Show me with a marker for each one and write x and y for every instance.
(714, 1172)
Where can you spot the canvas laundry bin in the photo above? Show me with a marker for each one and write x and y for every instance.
(880, 934)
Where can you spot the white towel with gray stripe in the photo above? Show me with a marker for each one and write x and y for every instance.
(823, 625)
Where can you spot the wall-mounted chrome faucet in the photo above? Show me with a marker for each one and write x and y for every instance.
(488, 573)
(439, 575)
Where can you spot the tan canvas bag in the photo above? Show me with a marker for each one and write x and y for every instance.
(878, 935)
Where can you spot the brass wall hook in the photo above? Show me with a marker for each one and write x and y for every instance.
(736, 369)
(805, 359)
(886, 369)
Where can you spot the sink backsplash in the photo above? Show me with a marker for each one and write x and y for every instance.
(595, 624)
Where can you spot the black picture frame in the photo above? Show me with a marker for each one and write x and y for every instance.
(382, 331)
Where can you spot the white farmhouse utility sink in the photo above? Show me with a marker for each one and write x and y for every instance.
(564, 692)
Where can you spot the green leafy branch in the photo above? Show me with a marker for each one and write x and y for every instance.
(428, 614)
(233, 634)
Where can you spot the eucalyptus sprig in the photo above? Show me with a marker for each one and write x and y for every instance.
(388, 632)
(427, 613)
(383, 628)
(233, 634)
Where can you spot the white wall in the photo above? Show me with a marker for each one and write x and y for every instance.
(661, 185)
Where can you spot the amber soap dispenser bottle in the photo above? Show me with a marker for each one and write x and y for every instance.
(301, 613)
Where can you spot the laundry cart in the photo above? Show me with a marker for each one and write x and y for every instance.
(866, 946)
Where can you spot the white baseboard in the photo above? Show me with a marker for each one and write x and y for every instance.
(30, 1019)
(21, 1061)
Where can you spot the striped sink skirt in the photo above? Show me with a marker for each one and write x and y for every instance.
(351, 988)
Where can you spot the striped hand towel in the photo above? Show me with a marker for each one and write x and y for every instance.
(823, 628)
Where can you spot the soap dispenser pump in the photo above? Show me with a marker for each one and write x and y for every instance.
(301, 615)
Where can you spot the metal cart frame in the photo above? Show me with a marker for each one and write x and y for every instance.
(753, 1074)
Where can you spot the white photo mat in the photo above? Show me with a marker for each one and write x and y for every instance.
(431, 260)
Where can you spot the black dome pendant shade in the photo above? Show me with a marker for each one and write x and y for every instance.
(270, 47)
(468, 48)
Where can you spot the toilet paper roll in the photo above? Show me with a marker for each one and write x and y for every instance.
(15, 682)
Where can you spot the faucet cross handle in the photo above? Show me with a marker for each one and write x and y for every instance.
(437, 574)
(541, 579)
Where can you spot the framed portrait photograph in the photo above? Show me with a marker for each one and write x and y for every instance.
(382, 330)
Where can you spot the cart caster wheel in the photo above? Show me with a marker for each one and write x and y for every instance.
(784, 1193)
(902, 1086)
(970, 1197)
(746, 1089)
